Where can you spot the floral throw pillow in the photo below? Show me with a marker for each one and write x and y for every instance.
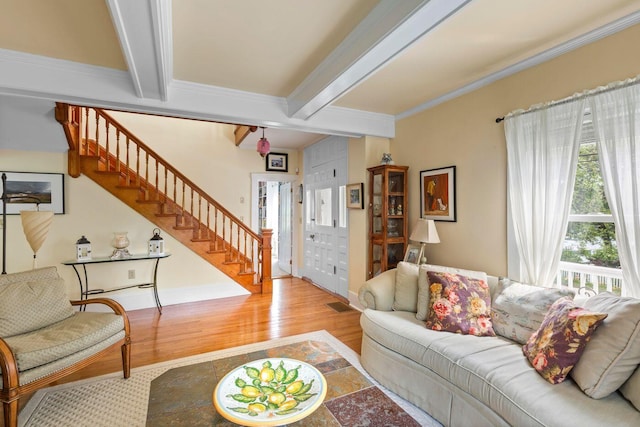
(555, 348)
(459, 304)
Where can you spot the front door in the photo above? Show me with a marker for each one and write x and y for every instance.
(325, 232)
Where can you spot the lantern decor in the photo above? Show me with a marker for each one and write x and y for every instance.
(263, 145)
(83, 249)
(156, 244)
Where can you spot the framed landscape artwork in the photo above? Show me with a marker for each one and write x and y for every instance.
(438, 194)
(278, 162)
(26, 190)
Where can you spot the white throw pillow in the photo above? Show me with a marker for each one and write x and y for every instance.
(614, 351)
(406, 290)
(423, 284)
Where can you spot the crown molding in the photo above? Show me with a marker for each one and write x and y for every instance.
(575, 43)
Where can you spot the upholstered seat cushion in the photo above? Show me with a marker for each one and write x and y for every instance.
(59, 340)
(31, 300)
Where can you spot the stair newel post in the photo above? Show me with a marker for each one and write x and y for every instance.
(71, 125)
(267, 281)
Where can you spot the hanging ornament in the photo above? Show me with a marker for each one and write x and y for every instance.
(263, 145)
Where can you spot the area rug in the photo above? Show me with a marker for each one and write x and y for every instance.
(179, 392)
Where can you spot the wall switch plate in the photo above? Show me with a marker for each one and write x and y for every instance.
(132, 274)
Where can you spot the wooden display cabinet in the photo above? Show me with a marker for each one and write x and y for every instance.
(388, 228)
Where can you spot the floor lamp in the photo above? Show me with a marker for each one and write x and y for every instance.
(36, 224)
(424, 232)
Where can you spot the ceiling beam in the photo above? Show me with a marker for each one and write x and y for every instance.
(145, 33)
(390, 27)
(34, 76)
(242, 131)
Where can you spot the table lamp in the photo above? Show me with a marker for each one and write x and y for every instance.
(424, 232)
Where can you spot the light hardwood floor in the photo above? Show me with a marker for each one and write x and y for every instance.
(295, 307)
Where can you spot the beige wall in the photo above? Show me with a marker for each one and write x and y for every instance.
(363, 153)
(463, 132)
(208, 153)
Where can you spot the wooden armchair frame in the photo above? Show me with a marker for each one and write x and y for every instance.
(11, 388)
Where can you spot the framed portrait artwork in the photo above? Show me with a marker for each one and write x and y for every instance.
(354, 196)
(26, 190)
(438, 194)
(277, 162)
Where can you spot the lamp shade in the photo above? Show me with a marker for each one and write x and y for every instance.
(425, 231)
(36, 226)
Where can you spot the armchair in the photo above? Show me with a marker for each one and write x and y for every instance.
(44, 338)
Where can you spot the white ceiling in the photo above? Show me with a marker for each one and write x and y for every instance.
(303, 69)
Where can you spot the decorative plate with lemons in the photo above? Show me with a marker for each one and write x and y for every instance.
(270, 392)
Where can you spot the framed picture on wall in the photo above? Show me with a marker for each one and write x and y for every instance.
(277, 162)
(438, 194)
(354, 196)
(25, 190)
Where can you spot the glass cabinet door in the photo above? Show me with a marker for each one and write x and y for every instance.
(387, 217)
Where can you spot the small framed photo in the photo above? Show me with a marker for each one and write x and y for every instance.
(24, 191)
(278, 162)
(438, 194)
(413, 253)
(354, 196)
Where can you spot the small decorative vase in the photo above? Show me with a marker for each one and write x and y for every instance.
(120, 242)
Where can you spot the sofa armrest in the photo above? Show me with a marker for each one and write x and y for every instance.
(378, 293)
(8, 367)
(114, 305)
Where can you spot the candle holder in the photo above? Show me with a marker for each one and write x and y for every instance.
(120, 243)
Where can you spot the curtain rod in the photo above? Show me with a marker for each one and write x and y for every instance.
(584, 94)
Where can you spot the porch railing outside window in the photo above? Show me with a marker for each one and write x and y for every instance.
(595, 278)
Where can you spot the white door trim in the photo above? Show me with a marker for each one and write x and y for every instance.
(277, 177)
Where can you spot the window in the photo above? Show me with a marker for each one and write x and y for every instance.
(591, 238)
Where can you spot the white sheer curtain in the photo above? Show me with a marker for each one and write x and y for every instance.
(616, 120)
(542, 155)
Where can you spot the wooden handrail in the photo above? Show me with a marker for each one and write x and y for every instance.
(175, 172)
(94, 132)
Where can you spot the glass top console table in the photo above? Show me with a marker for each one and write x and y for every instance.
(85, 291)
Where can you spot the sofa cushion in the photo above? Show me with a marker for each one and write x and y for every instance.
(459, 304)
(631, 389)
(555, 348)
(31, 300)
(517, 309)
(59, 340)
(423, 284)
(406, 290)
(614, 351)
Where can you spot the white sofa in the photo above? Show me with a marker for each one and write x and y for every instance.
(464, 380)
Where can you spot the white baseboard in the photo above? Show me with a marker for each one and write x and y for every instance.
(136, 299)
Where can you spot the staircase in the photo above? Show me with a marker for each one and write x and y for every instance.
(103, 150)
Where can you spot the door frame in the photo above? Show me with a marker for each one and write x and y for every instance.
(295, 213)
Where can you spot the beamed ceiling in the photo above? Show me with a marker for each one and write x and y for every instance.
(302, 68)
